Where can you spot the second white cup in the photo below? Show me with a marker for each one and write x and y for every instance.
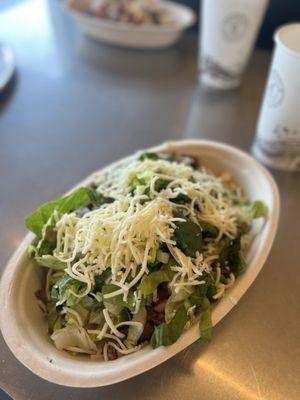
(277, 140)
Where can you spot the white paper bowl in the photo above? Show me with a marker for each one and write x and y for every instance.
(130, 35)
(24, 328)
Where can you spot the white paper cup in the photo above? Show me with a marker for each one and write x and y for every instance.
(277, 141)
(228, 32)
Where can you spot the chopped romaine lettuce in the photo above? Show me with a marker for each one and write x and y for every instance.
(52, 315)
(46, 260)
(96, 316)
(175, 301)
(231, 256)
(38, 218)
(150, 156)
(188, 236)
(181, 198)
(205, 326)
(208, 230)
(51, 262)
(152, 254)
(97, 199)
(167, 333)
(257, 209)
(73, 336)
(100, 280)
(61, 291)
(116, 304)
(135, 331)
(151, 281)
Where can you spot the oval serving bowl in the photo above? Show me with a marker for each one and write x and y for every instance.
(25, 329)
(143, 36)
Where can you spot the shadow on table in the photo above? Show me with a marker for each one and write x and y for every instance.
(146, 64)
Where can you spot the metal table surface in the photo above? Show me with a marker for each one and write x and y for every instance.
(76, 105)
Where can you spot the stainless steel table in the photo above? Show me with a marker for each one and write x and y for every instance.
(75, 106)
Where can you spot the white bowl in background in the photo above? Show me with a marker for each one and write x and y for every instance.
(25, 329)
(143, 36)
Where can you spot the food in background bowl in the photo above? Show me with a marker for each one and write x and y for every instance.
(140, 255)
(134, 24)
(131, 11)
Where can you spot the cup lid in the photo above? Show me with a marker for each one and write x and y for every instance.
(288, 36)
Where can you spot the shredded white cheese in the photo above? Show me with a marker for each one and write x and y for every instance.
(126, 236)
(122, 234)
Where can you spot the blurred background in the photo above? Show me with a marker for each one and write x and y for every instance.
(278, 13)
(75, 105)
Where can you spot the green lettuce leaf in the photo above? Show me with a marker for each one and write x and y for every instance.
(52, 315)
(47, 242)
(151, 281)
(51, 262)
(181, 198)
(61, 290)
(175, 301)
(205, 326)
(167, 333)
(75, 336)
(156, 156)
(206, 290)
(101, 279)
(87, 302)
(188, 236)
(257, 209)
(124, 315)
(153, 254)
(161, 184)
(38, 218)
(97, 199)
(96, 316)
(209, 230)
(44, 247)
(149, 156)
(232, 256)
(46, 260)
(82, 311)
(135, 331)
(116, 304)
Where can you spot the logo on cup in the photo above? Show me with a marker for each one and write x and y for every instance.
(275, 90)
(235, 26)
